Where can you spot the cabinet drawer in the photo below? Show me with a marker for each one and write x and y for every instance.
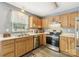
(10, 54)
(7, 42)
(7, 49)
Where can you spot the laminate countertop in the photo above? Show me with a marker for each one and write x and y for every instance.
(68, 34)
(15, 37)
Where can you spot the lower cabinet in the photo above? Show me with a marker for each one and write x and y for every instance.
(19, 47)
(42, 39)
(67, 45)
(7, 48)
(23, 45)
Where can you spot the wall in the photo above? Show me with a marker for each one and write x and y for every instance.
(5, 13)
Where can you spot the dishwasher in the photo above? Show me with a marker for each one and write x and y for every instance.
(36, 41)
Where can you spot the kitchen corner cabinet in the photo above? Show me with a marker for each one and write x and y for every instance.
(35, 22)
(7, 48)
(45, 23)
(67, 45)
(23, 45)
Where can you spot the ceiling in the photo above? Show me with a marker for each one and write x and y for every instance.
(45, 8)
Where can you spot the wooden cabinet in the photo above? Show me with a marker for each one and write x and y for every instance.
(67, 45)
(19, 47)
(71, 19)
(30, 43)
(56, 18)
(42, 39)
(23, 45)
(7, 48)
(68, 20)
(72, 46)
(35, 22)
(63, 44)
(45, 23)
(63, 19)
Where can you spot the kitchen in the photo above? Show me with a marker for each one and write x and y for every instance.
(39, 29)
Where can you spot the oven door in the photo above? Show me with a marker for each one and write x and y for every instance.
(52, 41)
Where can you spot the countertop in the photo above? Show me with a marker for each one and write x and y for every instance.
(68, 34)
(14, 37)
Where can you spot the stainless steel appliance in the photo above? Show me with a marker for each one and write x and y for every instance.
(36, 41)
(52, 40)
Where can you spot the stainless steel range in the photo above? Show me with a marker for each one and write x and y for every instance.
(52, 40)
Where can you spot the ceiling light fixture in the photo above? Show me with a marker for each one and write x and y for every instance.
(22, 10)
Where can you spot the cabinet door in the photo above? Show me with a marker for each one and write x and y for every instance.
(7, 48)
(63, 44)
(44, 39)
(71, 18)
(56, 18)
(19, 47)
(41, 39)
(72, 46)
(30, 43)
(39, 23)
(33, 21)
(63, 19)
(45, 23)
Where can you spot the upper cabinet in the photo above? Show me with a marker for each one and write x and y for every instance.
(46, 22)
(49, 20)
(68, 20)
(35, 22)
(63, 19)
(71, 19)
(56, 18)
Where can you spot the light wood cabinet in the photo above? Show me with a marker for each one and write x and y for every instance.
(30, 43)
(63, 19)
(63, 44)
(23, 45)
(71, 20)
(67, 45)
(56, 18)
(7, 48)
(42, 39)
(46, 23)
(66, 20)
(35, 22)
(72, 46)
(19, 47)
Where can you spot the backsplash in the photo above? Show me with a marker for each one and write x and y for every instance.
(65, 30)
(68, 30)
